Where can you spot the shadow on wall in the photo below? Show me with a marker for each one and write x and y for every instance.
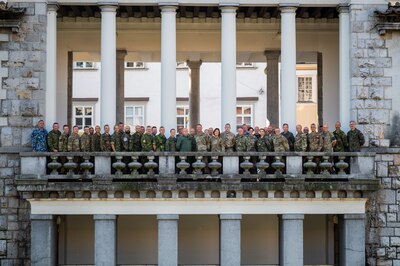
(393, 133)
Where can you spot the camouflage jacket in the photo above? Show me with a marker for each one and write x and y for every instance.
(300, 142)
(170, 144)
(159, 142)
(63, 143)
(241, 143)
(341, 141)
(125, 139)
(116, 141)
(105, 142)
(355, 139)
(86, 144)
(327, 139)
(135, 143)
(290, 138)
(217, 144)
(263, 144)
(96, 142)
(202, 142)
(229, 141)
(74, 142)
(314, 141)
(251, 143)
(147, 142)
(39, 139)
(52, 140)
(281, 144)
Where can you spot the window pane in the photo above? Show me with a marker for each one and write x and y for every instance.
(88, 110)
(138, 111)
(247, 111)
(89, 64)
(238, 110)
(138, 120)
(129, 111)
(179, 111)
(139, 64)
(78, 122)
(180, 121)
(239, 120)
(129, 120)
(186, 111)
(79, 64)
(88, 121)
(247, 120)
(78, 111)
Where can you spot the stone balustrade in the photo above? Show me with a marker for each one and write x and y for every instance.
(197, 166)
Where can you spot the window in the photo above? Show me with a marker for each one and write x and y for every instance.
(135, 65)
(181, 65)
(244, 115)
(84, 65)
(305, 89)
(83, 116)
(182, 116)
(246, 65)
(134, 115)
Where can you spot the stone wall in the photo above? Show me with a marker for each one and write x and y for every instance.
(371, 104)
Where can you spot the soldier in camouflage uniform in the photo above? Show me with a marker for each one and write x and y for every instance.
(53, 138)
(126, 138)
(201, 139)
(314, 140)
(251, 140)
(341, 138)
(289, 136)
(300, 141)
(160, 140)
(216, 143)
(170, 144)
(96, 139)
(135, 143)
(63, 139)
(270, 134)
(74, 141)
(105, 141)
(241, 141)
(228, 138)
(147, 140)
(86, 144)
(263, 144)
(355, 138)
(328, 139)
(281, 144)
(116, 142)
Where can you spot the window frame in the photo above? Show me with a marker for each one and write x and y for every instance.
(136, 65)
(134, 106)
(185, 116)
(242, 115)
(83, 116)
(85, 65)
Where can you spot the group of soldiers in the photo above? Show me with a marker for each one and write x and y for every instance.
(148, 139)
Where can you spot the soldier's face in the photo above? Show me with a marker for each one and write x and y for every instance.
(313, 128)
(285, 128)
(192, 132)
(185, 132)
(91, 130)
(121, 127)
(298, 129)
(173, 132)
(128, 129)
(66, 130)
(199, 129)
(352, 126)
(277, 132)
(76, 130)
(86, 130)
(97, 129)
(256, 130)
(262, 132)
(162, 131)
(116, 128)
(337, 125)
(56, 127)
(240, 131)
(148, 130)
(154, 130)
(107, 129)
(41, 124)
(138, 129)
(227, 128)
(325, 128)
(305, 130)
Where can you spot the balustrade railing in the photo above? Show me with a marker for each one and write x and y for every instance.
(162, 166)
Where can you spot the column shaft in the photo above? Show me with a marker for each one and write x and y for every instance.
(120, 85)
(194, 92)
(272, 72)
(344, 66)
(167, 239)
(43, 240)
(168, 66)
(288, 64)
(51, 65)
(108, 65)
(228, 66)
(352, 239)
(105, 240)
(291, 239)
(230, 239)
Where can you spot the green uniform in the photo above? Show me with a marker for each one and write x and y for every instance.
(126, 138)
(202, 142)
(63, 142)
(263, 144)
(184, 144)
(314, 141)
(74, 142)
(341, 141)
(96, 142)
(170, 144)
(147, 142)
(105, 142)
(300, 142)
(116, 141)
(159, 141)
(53, 140)
(217, 144)
(327, 139)
(251, 143)
(228, 138)
(290, 138)
(355, 139)
(86, 144)
(281, 144)
(135, 143)
(241, 143)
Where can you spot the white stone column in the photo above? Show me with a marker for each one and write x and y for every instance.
(288, 64)
(167, 239)
(51, 65)
(344, 66)
(352, 239)
(230, 239)
(194, 92)
(105, 240)
(108, 85)
(291, 239)
(43, 240)
(228, 66)
(168, 66)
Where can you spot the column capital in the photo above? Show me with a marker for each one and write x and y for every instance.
(343, 8)
(107, 6)
(121, 53)
(52, 6)
(272, 54)
(230, 217)
(104, 217)
(168, 7)
(194, 64)
(291, 216)
(167, 217)
(42, 217)
(228, 7)
(288, 8)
